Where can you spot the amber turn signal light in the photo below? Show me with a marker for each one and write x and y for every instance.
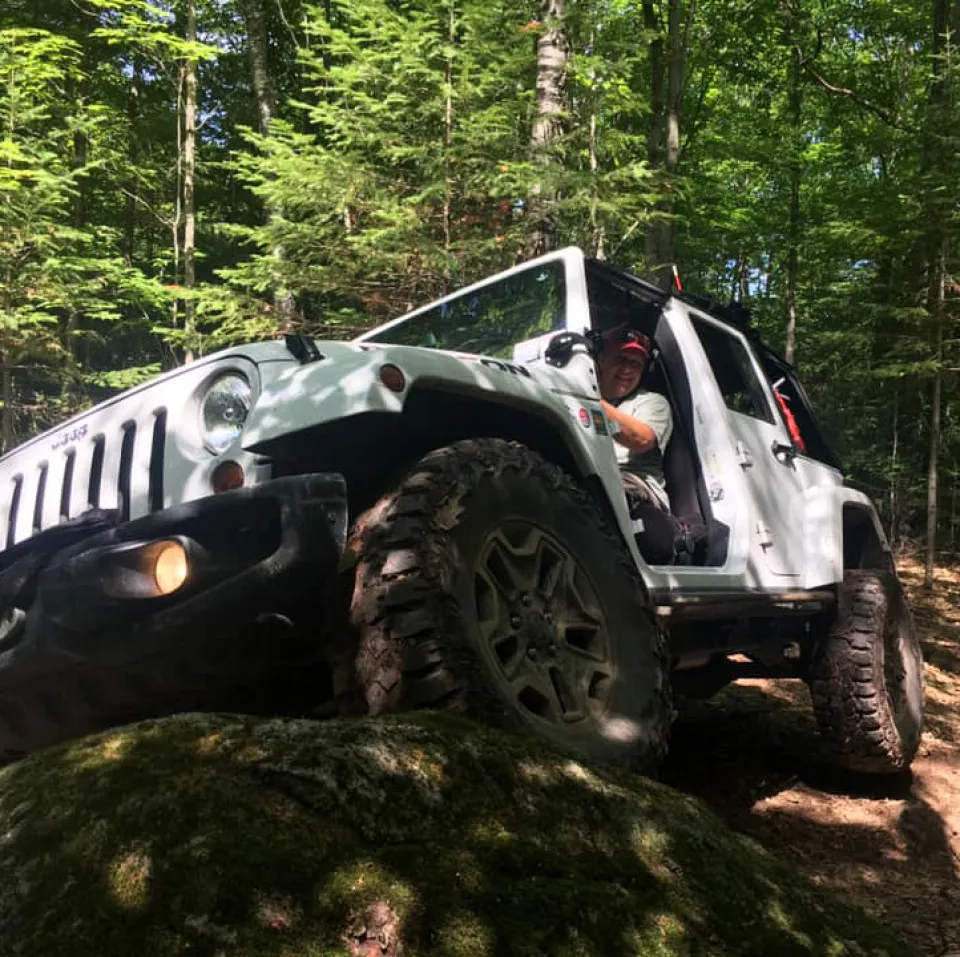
(226, 476)
(392, 378)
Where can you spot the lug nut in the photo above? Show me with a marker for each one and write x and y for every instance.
(514, 621)
(527, 600)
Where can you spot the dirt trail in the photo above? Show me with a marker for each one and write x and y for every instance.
(891, 846)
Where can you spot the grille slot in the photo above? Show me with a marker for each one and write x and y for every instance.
(67, 487)
(96, 473)
(126, 467)
(41, 491)
(157, 446)
(14, 510)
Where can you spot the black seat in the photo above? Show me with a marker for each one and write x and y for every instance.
(680, 476)
(701, 539)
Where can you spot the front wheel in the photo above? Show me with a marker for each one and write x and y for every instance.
(490, 583)
(866, 677)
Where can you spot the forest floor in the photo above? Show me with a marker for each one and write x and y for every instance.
(890, 846)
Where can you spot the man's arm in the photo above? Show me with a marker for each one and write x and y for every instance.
(634, 434)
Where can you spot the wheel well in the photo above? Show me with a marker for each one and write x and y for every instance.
(372, 449)
(862, 545)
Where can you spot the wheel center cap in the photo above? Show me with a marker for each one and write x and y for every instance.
(540, 636)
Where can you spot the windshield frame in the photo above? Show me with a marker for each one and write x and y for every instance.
(577, 314)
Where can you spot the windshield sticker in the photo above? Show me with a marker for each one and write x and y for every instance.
(584, 418)
(599, 421)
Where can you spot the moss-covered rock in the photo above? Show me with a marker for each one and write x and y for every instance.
(216, 835)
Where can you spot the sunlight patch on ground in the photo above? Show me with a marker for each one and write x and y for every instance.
(129, 879)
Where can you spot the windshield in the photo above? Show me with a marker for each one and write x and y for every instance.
(491, 319)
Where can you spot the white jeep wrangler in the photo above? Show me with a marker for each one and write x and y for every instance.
(434, 511)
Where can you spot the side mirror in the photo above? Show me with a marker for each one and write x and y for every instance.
(562, 346)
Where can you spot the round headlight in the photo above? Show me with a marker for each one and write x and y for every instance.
(224, 410)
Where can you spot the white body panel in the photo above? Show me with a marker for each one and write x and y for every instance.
(783, 514)
(347, 383)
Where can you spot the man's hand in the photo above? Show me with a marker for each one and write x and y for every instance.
(634, 434)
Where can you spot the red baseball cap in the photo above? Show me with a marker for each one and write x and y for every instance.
(629, 341)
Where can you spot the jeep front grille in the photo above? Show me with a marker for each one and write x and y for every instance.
(122, 471)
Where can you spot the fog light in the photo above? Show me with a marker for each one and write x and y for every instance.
(170, 567)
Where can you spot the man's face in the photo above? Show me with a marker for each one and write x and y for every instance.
(619, 373)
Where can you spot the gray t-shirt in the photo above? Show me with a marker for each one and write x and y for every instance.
(653, 409)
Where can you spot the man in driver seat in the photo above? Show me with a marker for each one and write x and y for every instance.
(643, 421)
(642, 425)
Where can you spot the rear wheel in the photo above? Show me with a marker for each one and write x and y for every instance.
(866, 677)
(490, 583)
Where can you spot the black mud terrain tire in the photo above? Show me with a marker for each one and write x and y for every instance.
(491, 584)
(866, 677)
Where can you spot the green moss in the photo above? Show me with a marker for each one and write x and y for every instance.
(218, 835)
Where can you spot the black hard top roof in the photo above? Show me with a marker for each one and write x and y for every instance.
(733, 313)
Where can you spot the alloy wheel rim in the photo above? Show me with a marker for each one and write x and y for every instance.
(541, 625)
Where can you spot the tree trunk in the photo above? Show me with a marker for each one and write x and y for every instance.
(266, 101)
(448, 144)
(7, 432)
(793, 227)
(266, 98)
(655, 130)
(189, 188)
(933, 467)
(596, 230)
(663, 139)
(937, 162)
(894, 471)
(80, 160)
(675, 77)
(553, 55)
(953, 514)
(177, 219)
(743, 277)
(130, 200)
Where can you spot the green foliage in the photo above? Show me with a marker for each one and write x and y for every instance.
(406, 182)
(56, 274)
(864, 325)
(399, 166)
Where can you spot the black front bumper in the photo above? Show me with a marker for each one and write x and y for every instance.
(252, 551)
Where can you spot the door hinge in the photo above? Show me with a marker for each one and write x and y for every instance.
(765, 535)
(743, 456)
